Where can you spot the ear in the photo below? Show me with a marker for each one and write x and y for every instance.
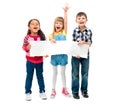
(76, 20)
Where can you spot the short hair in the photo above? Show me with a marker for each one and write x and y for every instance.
(81, 14)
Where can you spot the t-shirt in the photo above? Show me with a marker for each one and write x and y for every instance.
(58, 36)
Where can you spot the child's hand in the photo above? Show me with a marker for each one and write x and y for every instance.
(66, 7)
(77, 56)
(53, 40)
(28, 46)
(46, 56)
(81, 42)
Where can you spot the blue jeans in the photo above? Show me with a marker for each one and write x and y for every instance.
(29, 77)
(76, 62)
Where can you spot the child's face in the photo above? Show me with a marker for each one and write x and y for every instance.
(58, 26)
(81, 20)
(34, 26)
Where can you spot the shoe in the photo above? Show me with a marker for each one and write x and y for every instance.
(76, 96)
(43, 96)
(53, 94)
(28, 97)
(65, 92)
(85, 94)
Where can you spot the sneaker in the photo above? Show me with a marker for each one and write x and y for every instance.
(65, 92)
(43, 96)
(53, 94)
(76, 96)
(85, 94)
(28, 97)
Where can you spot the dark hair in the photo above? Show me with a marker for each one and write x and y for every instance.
(40, 32)
(81, 14)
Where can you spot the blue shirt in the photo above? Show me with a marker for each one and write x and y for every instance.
(59, 59)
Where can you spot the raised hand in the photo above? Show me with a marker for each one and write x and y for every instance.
(66, 7)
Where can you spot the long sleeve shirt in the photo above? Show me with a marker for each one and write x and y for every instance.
(33, 59)
(79, 35)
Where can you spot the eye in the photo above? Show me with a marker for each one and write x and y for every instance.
(79, 18)
(83, 17)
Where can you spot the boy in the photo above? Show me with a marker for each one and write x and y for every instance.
(82, 35)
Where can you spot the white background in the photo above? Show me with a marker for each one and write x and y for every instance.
(103, 19)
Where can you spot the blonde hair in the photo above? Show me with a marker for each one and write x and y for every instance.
(60, 19)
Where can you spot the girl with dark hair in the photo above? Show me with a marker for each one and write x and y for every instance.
(34, 34)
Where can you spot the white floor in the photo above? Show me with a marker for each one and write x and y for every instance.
(103, 83)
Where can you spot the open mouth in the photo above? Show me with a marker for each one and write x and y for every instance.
(81, 22)
(57, 27)
(35, 28)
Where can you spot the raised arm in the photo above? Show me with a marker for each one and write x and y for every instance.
(66, 7)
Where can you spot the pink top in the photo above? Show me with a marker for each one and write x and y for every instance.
(33, 59)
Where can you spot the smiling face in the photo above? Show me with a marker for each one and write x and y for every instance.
(34, 26)
(81, 20)
(58, 24)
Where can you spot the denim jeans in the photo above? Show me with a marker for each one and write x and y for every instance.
(61, 59)
(29, 77)
(76, 63)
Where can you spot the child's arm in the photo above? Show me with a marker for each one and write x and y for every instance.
(65, 17)
(26, 46)
(89, 40)
(51, 38)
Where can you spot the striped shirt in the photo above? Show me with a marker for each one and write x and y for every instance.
(27, 39)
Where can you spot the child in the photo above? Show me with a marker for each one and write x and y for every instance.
(34, 34)
(59, 34)
(82, 35)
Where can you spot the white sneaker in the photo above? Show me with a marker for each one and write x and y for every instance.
(43, 96)
(28, 97)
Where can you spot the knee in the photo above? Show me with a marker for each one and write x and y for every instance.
(75, 76)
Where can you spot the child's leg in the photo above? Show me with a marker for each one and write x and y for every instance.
(75, 75)
(63, 76)
(40, 78)
(84, 73)
(54, 78)
(29, 77)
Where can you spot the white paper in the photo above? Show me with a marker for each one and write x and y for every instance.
(60, 47)
(41, 48)
(81, 50)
